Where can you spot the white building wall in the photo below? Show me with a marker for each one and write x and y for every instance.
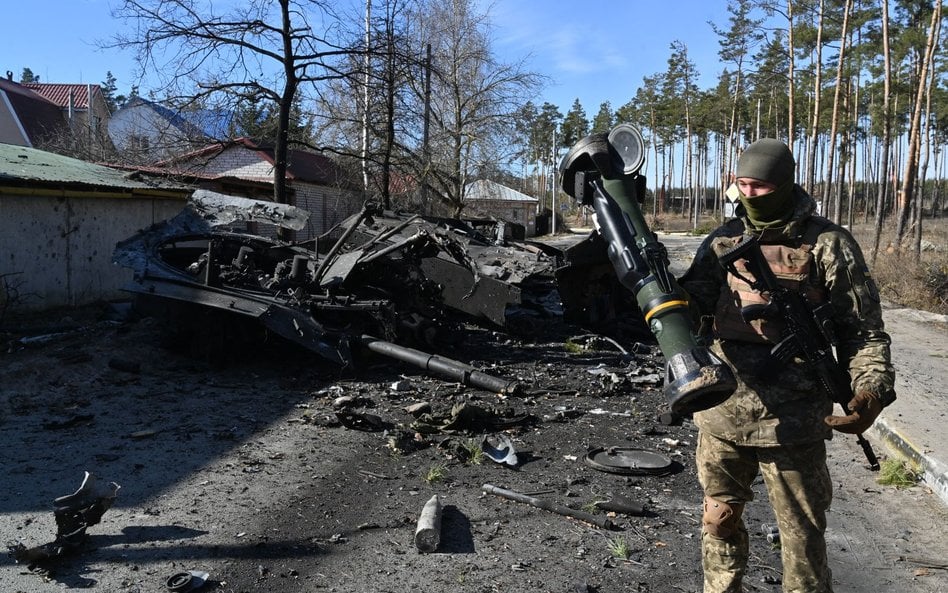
(327, 205)
(236, 161)
(58, 250)
(141, 132)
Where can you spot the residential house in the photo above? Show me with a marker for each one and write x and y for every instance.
(60, 219)
(146, 131)
(244, 167)
(489, 198)
(87, 115)
(26, 118)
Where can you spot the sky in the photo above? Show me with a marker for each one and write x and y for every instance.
(591, 50)
(600, 50)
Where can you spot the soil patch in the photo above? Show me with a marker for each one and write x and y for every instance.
(234, 459)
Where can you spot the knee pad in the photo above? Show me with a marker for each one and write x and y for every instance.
(720, 518)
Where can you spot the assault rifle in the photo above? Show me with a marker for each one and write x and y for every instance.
(807, 332)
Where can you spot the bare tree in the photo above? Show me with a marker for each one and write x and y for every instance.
(10, 294)
(380, 120)
(88, 143)
(442, 109)
(256, 50)
(473, 97)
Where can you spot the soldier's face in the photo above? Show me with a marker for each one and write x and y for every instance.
(751, 187)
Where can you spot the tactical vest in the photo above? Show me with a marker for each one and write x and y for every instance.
(794, 268)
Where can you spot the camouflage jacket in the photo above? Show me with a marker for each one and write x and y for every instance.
(788, 406)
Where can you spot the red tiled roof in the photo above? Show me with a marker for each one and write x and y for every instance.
(59, 93)
(20, 89)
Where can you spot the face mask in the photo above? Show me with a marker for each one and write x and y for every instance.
(770, 210)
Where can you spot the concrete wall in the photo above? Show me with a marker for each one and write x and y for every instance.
(62, 246)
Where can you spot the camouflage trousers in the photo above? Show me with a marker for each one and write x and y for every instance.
(800, 491)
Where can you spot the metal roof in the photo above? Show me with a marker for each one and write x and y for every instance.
(485, 189)
(28, 167)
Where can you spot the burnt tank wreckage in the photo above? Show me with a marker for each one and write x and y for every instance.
(380, 280)
(384, 282)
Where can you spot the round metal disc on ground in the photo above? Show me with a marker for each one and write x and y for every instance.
(626, 460)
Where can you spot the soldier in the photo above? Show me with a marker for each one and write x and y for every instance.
(776, 422)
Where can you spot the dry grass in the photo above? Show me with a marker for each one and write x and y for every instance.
(436, 473)
(915, 283)
(619, 548)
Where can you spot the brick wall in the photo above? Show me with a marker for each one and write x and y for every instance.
(327, 206)
(239, 162)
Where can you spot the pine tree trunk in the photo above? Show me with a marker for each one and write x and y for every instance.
(920, 209)
(832, 197)
(914, 145)
(791, 121)
(815, 122)
(886, 137)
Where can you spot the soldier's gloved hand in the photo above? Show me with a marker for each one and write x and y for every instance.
(864, 408)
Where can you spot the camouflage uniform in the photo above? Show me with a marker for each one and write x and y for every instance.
(774, 424)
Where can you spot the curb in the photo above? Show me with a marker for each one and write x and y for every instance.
(934, 471)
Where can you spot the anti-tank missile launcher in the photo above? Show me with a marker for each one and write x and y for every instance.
(602, 171)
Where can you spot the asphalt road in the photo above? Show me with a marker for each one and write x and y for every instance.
(881, 538)
(235, 471)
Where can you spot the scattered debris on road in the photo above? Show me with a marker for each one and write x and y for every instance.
(74, 514)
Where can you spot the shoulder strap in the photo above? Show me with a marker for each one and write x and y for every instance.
(815, 226)
(733, 227)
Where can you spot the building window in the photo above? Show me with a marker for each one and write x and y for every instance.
(138, 142)
(516, 214)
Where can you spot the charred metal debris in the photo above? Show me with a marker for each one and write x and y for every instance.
(380, 281)
(74, 514)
